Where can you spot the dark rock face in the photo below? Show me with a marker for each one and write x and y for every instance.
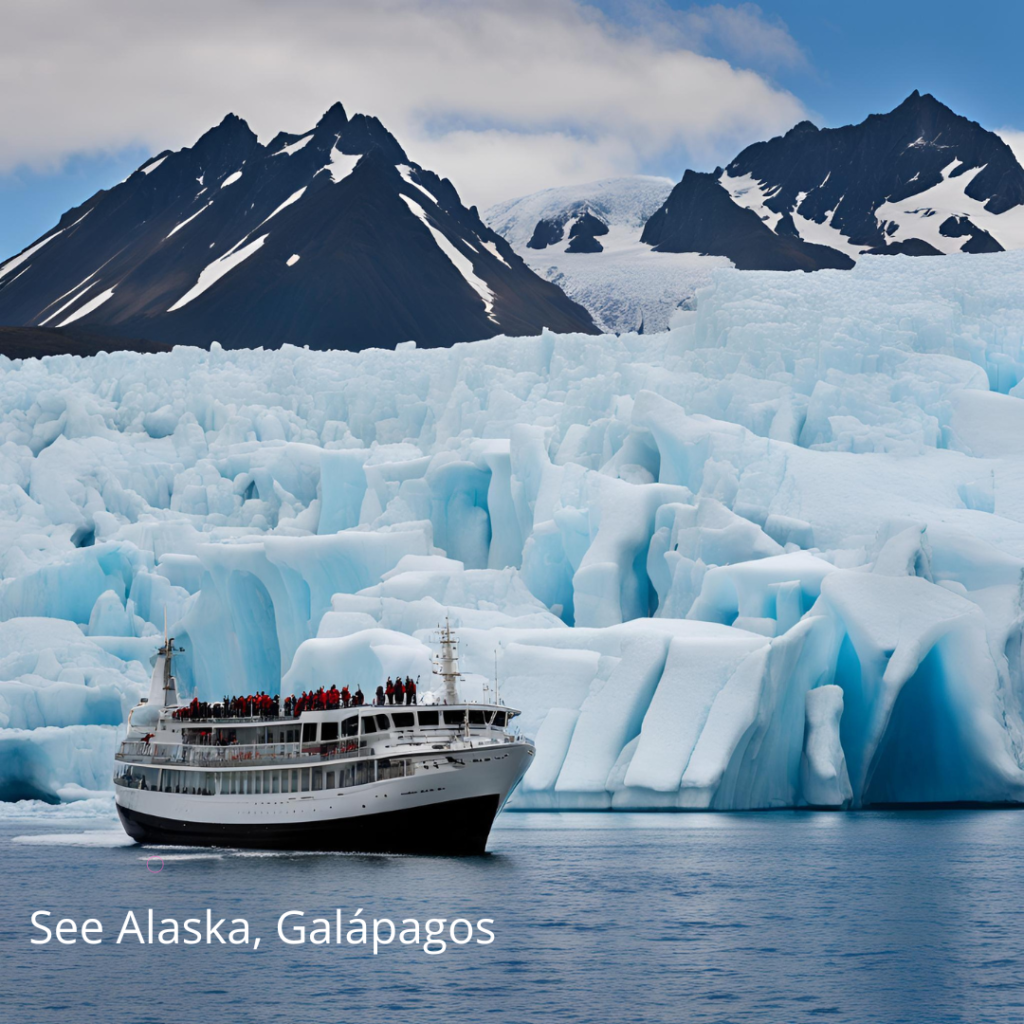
(700, 216)
(842, 176)
(547, 232)
(908, 247)
(978, 240)
(584, 233)
(331, 239)
(35, 342)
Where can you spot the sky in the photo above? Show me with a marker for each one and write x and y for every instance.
(504, 98)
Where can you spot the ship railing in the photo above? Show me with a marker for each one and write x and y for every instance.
(243, 754)
(240, 755)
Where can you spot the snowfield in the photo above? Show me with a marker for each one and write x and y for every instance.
(625, 287)
(770, 557)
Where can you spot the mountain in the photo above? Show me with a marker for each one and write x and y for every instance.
(920, 180)
(332, 239)
(586, 239)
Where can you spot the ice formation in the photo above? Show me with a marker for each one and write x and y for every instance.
(770, 557)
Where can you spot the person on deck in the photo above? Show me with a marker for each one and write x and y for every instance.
(399, 692)
(346, 697)
(410, 690)
(359, 698)
(379, 700)
(390, 691)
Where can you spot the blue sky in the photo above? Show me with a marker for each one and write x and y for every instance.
(865, 56)
(645, 72)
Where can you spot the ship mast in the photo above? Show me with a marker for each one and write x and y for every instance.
(163, 687)
(446, 664)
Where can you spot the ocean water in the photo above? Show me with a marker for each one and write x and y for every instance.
(772, 917)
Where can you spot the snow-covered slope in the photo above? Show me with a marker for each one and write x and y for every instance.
(771, 557)
(333, 239)
(919, 180)
(619, 280)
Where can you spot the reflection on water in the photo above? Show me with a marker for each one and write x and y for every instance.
(884, 916)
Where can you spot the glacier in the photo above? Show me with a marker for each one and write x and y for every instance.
(772, 556)
(625, 287)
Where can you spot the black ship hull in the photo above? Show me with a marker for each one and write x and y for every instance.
(450, 828)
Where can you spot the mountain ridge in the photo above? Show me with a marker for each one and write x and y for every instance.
(332, 238)
(918, 180)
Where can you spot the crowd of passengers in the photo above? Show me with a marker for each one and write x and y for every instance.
(262, 705)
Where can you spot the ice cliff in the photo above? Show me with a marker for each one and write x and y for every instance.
(770, 557)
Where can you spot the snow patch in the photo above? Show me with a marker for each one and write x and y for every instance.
(492, 248)
(921, 215)
(462, 263)
(17, 261)
(293, 198)
(188, 220)
(341, 165)
(69, 303)
(214, 271)
(751, 194)
(406, 172)
(294, 147)
(92, 305)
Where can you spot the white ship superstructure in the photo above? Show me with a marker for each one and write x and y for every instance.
(399, 777)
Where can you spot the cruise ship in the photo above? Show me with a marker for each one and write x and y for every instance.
(401, 778)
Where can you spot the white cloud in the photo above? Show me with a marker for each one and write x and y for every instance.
(503, 98)
(1014, 138)
(491, 165)
(742, 33)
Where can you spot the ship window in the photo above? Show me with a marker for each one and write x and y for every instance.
(403, 719)
(454, 717)
(318, 778)
(295, 780)
(383, 723)
(305, 780)
(388, 769)
(350, 727)
(476, 718)
(329, 731)
(330, 781)
(275, 782)
(309, 732)
(499, 719)
(428, 718)
(368, 724)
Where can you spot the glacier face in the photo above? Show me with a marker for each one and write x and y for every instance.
(770, 557)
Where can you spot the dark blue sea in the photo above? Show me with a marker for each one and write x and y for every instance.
(884, 916)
